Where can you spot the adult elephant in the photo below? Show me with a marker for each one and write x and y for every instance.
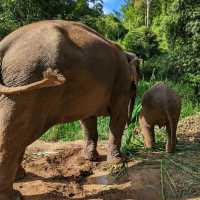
(89, 125)
(54, 72)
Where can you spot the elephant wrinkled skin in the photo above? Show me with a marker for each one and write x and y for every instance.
(160, 106)
(54, 72)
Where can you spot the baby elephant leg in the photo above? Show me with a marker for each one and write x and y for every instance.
(149, 137)
(148, 133)
(171, 141)
(91, 137)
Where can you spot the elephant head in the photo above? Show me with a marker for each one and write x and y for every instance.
(134, 63)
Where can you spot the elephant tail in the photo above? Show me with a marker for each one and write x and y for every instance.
(51, 78)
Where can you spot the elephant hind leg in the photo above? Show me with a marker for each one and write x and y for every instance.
(91, 137)
(21, 173)
(9, 160)
(12, 147)
(148, 133)
(171, 131)
(14, 195)
(149, 137)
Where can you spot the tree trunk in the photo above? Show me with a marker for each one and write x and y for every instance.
(148, 3)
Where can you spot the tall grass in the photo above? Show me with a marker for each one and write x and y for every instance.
(64, 132)
(73, 131)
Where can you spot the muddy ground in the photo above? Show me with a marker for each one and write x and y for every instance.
(58, 171)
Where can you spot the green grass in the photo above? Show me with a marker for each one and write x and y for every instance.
(65, 132)
(72, 131)
(131, 142)
(180, 173)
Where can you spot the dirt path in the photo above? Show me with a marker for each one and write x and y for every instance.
(57, 171)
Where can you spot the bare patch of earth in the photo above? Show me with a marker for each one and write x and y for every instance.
(58, 171)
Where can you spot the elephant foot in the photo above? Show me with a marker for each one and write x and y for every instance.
(21, 173)
(114, 156)
(116, 161)
(149, 144)
(14, 195)
(170, 149)
(91, 155)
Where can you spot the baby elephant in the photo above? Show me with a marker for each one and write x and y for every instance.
(160, 106)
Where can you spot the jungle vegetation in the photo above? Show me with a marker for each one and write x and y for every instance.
(165, 34)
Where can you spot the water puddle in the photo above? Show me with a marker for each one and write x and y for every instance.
(139, 182)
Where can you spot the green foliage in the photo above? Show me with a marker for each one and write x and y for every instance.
(193, 79)
(170, 48)
(161, 66)
(64, 132)
(111, 27)
(134, 16)
(72, 131)
(143, 42)
(177, 27)
(15, 13)
(183, 36)
(135, 12)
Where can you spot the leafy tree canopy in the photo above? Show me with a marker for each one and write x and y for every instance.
(15, 13)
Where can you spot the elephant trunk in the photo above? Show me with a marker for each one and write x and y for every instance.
(130, 109)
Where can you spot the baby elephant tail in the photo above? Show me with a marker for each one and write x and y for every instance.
(51, 78)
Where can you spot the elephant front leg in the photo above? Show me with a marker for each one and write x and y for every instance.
(91, 137)
(117, 126)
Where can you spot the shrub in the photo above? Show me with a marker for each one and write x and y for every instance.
(161, 67)
(143, 42)
(183, 35)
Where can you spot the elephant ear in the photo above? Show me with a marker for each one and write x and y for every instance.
(135, 68)
(134, 63)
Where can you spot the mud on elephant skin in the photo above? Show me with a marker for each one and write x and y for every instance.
(54, 72)
(160, 106)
